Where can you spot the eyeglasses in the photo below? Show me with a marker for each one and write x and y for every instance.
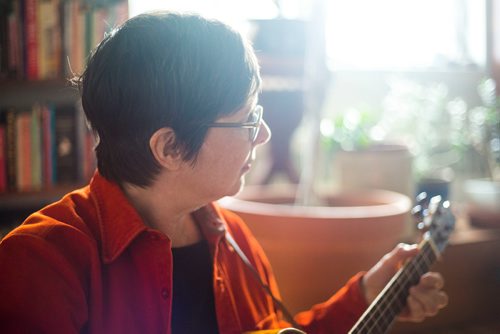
(253, 123)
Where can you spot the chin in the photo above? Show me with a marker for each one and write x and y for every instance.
(238, 187)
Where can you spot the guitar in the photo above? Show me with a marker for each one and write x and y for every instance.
(435, 216)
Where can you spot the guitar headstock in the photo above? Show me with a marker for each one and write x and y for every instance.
(434, 216)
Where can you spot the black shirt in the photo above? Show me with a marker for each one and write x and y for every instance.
(193, 306)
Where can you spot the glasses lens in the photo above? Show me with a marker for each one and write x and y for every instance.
(253, 133)
(255, 117)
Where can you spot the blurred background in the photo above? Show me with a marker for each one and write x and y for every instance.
(355, 76)
(370, 103)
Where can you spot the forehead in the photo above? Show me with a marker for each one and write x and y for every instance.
(242, 111)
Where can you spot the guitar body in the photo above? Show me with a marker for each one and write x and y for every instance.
(277, 331)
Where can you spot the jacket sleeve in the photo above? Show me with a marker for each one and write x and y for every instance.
(335, 316)
(39, 288)
(339, 313)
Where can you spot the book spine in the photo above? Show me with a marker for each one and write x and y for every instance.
(43, 37)
(78, 36)
(4, 40)
(47, 129)
(11, 149)
(3, 158)
(23, 151)
(31, 49)
(26, 172)
(55, 48)
(36, 148)
(66, 145)
(49, 39)
(14, 28)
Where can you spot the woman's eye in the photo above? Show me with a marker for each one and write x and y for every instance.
(252, 118)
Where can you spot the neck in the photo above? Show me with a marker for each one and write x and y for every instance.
(163, 210)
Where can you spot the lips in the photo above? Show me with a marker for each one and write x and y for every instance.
(247, 167)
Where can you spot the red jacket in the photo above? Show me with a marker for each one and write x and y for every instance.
(88, 264)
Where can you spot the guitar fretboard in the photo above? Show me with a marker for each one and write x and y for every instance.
(379, 317)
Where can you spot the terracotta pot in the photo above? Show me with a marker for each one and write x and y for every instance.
(314, 250)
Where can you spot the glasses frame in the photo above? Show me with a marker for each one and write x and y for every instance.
(254, 126)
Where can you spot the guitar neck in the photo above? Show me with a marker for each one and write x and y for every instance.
(380, 315)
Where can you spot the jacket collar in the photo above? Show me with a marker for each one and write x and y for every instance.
(119, 222)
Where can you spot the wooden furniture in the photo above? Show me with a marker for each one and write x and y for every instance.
(471, 268)
(30, 81)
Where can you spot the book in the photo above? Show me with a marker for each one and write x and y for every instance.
(66, 157)
(86, 142)
(23, 151)
(48, 145)
(77, 49)
(11, 150)
(30, 39)
(14, 41)
(49, 39)
(3, 158)
(4, 33)
(36, 148)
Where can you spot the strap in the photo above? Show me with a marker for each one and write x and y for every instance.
(266, 287)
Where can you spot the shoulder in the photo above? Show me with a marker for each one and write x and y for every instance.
(234, 223)
(61, 227)
(243, 235)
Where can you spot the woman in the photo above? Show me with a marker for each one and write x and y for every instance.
(143, 248)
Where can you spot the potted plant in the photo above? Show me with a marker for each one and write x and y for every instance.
(423, 120)
(483, 193)
(362, 158)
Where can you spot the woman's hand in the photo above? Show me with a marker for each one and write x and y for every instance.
(425, 299)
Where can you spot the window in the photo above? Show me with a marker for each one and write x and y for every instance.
(367, 34)
(416, 34)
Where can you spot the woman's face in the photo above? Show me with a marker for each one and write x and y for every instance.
(226, 156)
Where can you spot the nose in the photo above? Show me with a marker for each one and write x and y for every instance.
(264, 134)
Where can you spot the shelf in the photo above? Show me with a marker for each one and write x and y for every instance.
(23, 93)
(33, 200)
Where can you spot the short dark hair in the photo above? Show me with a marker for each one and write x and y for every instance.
(162, 69)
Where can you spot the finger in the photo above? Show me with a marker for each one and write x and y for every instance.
(432, 280)
(431, 300)
(415, 309)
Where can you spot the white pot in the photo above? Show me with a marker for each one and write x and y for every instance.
(483, 201)
(384, 166)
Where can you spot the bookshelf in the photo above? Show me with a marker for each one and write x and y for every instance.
(48, 153)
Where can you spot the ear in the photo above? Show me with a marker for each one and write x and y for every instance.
(163, 146)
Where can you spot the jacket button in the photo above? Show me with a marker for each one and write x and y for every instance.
(164, 293)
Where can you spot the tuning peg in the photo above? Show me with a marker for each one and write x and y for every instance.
(421, 198)
(417, 212)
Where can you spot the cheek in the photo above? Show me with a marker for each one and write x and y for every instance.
(225, 160)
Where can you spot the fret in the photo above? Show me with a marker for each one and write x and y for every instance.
(383, 314)
(380, 315)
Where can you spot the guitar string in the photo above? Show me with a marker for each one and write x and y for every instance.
(381, 312)
(411, 273)
(428, 254)
(395, 295)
